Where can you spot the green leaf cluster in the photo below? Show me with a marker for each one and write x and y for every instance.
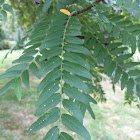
(70, 54)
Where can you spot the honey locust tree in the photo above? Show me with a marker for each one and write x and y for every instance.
(69, 47)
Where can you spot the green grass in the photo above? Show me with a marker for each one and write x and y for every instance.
(114, 121)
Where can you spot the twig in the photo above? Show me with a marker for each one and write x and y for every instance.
(86, 9)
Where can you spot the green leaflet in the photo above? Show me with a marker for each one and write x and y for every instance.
(75, 81)
(117, 18)
(124, 57)
(76, 59)
(74, 93)
(97, 49)
(82, 107)
(132, 28)
(107, 62)
(76, 69)
(124, 80)
(118, 50)
(50, 65)
(91, 43)
(32, 48)
(123, 23)
(101, 55)
(111, 68)
(35, 41)
(51, 53)
(133, 43)
(116, 32)
(53, 134)
(137, 81)
(130, 64)
(90, 111)
(100, 23)
(76, 48)
(91, 99)
(48, 91)
(74, 40)
(113, 45)
(34, 69)
(20, 67)
(65, 136)
(25, 79)
(104, 18)
(18, 88)
(125, 37)
(51, 76)
(75, 126)
(109, 27)
(48, 118)
(51, 44)
(10, 74)
(49, 103)
(7, 86)
(134, 73)
(76, 27)
(23, 60)
(91, 87)
(130, 87)
(73, 109)
(117, 75)
(30, 53)
(53, 35)
(73, 33)
(8, 8)
(47, 5)
(40, 63)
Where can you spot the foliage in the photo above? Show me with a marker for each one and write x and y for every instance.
(70, 53)
(4, 8)
(25, 11)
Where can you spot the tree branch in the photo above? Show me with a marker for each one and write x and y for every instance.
(86, 9)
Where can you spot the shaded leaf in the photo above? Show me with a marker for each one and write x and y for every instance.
(49, 103)
(47, 5)
(7, 86)
(25, 79)
(18, 88)
(124, 80)
(74, 93)
(65, 136)
(130, 87)
(73, 109)
(53, 134)
(48, 118)
(75, 81)
(48, 92)
(75, 126)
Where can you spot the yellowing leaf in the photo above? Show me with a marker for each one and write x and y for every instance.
(121, 13)
(98, 83)
(65, 12)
